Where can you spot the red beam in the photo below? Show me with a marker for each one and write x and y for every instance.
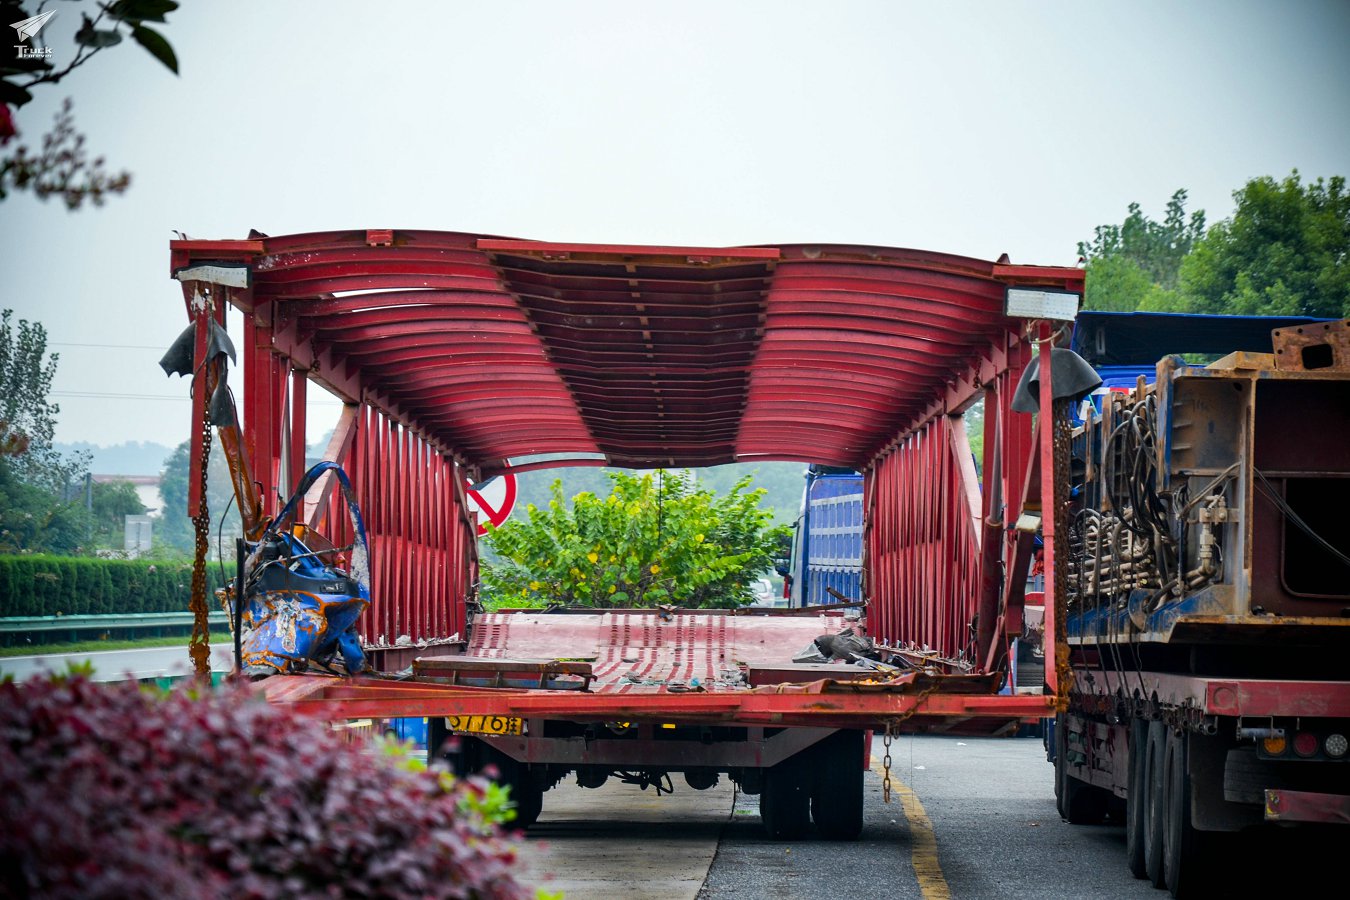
(360, 699)
(555, 250)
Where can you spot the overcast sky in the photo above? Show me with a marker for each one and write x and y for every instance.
(971, 128)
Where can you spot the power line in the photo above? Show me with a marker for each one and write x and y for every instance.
(105, 346)
(114, 396)
(105, 395)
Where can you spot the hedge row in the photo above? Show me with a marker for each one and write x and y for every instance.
(40, 585)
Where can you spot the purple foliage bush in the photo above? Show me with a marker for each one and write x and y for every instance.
(111, 790)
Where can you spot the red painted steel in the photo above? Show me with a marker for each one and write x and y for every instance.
(643, 652)
(1304, 806)
(820, 704)
(923, 565)
(463, 353)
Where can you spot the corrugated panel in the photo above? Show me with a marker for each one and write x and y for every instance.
(499, 350)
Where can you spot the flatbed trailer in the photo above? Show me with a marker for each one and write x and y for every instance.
(1207, 590)
(460, 356)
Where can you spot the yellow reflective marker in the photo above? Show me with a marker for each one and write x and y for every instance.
(922, 841)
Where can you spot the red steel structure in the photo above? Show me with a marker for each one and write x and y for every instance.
(461, 355)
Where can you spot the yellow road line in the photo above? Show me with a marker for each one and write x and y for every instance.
(922, 841)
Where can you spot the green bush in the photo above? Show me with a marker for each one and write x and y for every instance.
(41, 585)
(649, 542)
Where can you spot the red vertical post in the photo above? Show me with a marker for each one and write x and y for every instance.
(1046, 450)
(438, 595)
(405, 533)
(423, 475)
(262, 410)
(385, 478)
(299, 386)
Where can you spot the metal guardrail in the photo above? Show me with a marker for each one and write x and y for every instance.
(131, 621)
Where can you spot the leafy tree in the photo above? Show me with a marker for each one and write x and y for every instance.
(173, 528)
(39, 508)
(27, 417)
(652, 540)
(34, 518)
(783, 483)
(61, 166)
(112, 502)
(1136, 265)
(1283, 252)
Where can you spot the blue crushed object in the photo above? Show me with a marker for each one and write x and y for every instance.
(299, 610)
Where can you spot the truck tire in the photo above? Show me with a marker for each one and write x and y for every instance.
(785, 802)
(1135, 803)
(1079, 803)
(1154, 755)
(526, 795)
(1184, 854)
(529, 800)
(837, 795)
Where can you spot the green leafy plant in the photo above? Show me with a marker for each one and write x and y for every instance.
(42, 585)
(654, 540)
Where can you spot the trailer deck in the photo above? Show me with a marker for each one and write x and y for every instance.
(461, 356)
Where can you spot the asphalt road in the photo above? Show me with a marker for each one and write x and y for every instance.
(114, 665)
(969, 818)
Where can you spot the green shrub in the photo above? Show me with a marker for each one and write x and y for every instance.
(42, 585)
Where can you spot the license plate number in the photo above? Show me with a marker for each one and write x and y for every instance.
(485, 724)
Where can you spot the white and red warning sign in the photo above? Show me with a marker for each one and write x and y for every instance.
(493, 501)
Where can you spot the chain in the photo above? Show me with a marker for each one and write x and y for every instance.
(1060, 480)
(886, 761)
(199, 647)
(892, 724)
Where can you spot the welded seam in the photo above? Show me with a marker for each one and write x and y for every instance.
(922, 841)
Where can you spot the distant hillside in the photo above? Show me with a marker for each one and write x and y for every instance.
(783, 481)
(130, 458)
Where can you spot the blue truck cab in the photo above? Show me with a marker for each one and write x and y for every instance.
(825, 563)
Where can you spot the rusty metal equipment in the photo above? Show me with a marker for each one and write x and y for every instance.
(1207, 607)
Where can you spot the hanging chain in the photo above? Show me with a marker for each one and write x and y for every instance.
(886, 761)
(199, 647)
(892, 729)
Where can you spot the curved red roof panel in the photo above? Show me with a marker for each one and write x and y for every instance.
(505, 351)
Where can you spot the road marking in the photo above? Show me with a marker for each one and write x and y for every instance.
(922, 840)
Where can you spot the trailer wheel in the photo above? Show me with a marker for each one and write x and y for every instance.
(1135, 801)
(837, 795)
(1153, 802)
(1185, 850)
(527, 795)
(785, 802)
(1079, 803)
(529, 800)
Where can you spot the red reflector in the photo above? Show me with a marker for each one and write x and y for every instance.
(1305, 744)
